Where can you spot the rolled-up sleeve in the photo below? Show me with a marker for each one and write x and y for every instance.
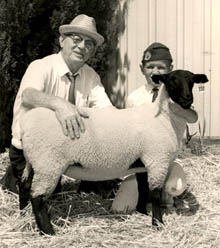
(34, 76)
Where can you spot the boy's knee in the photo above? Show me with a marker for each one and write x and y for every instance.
(176, 180)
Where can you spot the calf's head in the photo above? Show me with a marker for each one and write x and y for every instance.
(179, 85)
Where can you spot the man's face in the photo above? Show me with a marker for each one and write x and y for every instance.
(77, 47)
(154, 68)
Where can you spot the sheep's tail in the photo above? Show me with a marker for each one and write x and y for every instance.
(26, 172)
(27, 169)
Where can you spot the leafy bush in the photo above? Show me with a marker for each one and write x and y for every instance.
(29, 30)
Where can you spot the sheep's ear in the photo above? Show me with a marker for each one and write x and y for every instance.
(159, 78)
(200, 78)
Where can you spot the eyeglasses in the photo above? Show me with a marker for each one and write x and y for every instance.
(89, 44)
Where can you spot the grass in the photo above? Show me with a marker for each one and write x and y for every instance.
(85, 220)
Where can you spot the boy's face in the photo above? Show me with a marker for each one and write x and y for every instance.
(155, 67)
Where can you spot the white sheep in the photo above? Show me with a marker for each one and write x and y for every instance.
(113, 140)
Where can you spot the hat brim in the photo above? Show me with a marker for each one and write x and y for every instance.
(73, 29)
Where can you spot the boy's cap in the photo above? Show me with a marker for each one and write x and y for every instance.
(157, 51)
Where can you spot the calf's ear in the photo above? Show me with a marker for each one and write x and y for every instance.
(157, 78)
(200, 78)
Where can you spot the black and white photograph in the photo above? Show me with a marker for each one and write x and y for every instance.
(110, 124)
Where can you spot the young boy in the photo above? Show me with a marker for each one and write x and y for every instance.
(156, 60)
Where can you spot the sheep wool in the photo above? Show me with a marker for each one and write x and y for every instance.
(113, 140)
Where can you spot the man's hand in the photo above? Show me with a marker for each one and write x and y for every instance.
(70, 118)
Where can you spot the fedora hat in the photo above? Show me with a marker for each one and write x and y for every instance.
(85, 25)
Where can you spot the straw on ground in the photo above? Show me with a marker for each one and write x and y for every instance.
(85, 220)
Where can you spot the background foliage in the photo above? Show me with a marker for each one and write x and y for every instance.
(29, 30)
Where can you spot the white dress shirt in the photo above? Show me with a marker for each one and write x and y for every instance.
(140, 96)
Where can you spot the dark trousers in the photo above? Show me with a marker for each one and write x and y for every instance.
(14, 171)
(12, 178)
(17, 161)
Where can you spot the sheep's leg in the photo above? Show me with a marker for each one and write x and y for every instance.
(43, 185)
(26, 172)
(25, 190)
(143, 192)
(42, 217)
(58, 188)
(156, 209)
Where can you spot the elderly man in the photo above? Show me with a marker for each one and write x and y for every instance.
(62, 82)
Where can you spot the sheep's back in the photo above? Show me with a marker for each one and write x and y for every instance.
(111, 138)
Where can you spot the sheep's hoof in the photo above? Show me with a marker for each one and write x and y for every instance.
(41, 215)
(157, 225)
(142, 210)
(48, 232)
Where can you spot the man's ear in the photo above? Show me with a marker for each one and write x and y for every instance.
(200, 78)
(170, 68)
(159, 78)
(61, 39)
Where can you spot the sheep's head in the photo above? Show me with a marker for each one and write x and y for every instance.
(179, 85)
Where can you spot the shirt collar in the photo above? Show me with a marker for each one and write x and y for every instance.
(63, 68)
(149, 87)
